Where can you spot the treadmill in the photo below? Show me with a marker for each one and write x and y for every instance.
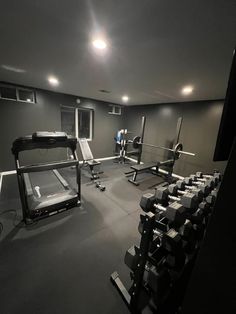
(43, 190)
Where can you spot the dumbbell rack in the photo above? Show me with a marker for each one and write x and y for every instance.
(138, 297)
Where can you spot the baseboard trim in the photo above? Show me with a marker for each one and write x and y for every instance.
(6, 173)
(134, 160)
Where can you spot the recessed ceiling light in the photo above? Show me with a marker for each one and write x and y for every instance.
(186, 90)
(53, 80)
(99, 44)
(28, 99)
(125, 98)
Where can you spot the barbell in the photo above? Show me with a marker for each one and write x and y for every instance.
(177, 150)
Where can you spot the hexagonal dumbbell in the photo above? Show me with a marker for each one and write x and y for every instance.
(188, 235)
(203, 179)
(183, 185)
(174, 212)
(194, 180)
(172, 242)
(147, 201)
(216, 175)
(158, 279)
(205, 207)
(210, 199)
(131, 257)
(175, 191)
(188, 200)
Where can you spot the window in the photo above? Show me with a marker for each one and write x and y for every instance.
(114, 109)
(25, 95)
(68, 120)
(77, 122)
(8, 92)
(17, 93)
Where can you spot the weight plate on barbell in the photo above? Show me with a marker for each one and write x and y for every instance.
(177, 148)
(136, 142)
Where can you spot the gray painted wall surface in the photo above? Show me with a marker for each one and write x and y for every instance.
(198, 134)
(19, 119)
(199, 130)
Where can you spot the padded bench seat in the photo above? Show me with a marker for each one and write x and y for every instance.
(146, 166)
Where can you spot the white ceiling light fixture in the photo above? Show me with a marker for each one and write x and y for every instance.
(187, 90)
(99, 44)
(125, 98)
(53, 80)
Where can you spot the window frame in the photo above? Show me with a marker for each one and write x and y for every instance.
(17, 88)
(113, 110)
(91, 124)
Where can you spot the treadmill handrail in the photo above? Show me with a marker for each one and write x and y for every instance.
(47, 166)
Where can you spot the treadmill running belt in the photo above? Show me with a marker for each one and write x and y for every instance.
(47, 182)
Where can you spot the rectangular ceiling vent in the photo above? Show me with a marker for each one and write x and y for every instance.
(114, 109)
(17, 93)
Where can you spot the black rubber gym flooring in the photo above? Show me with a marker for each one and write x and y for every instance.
(62, 264)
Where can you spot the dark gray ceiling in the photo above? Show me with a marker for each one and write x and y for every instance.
(155, 47)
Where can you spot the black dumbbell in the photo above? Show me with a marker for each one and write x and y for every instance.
(156, 277)
(188, 200)
(216, 175)
(210, 199)
(158, 280)
(174, 190)
(193, 180)
(101, 187)
(172, 243)
(188, 235)
(131, 257)
(200, 231)
(195, 177)
(182, 185)
(174, 212)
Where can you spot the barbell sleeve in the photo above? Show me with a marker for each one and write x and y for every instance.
(186, 153)
(169, 149)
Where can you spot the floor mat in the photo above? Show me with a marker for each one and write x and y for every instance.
(63, 263)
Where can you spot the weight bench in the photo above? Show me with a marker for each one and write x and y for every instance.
(88, 158)
(136, 169)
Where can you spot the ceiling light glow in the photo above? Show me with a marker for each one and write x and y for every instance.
(186, 90)
(53, 80)
(125, 98)
(28, 99)
(99, 44)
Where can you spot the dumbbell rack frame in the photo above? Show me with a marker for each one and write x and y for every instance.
(132, 298)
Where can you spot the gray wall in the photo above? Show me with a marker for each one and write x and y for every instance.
(21, 118)
(198, 134)
(199, 130)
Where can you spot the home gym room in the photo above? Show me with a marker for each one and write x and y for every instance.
(117, 159)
